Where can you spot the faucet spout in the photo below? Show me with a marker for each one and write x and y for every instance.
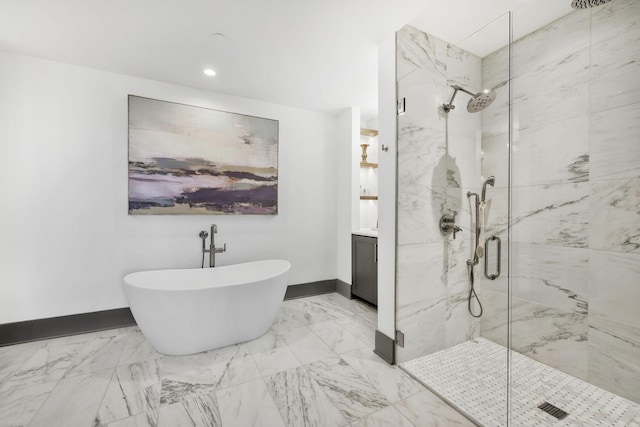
(212, 247)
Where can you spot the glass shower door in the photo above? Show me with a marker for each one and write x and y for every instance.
(575, 322)
(452, 213)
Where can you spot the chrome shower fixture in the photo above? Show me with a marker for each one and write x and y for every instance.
(585, 4)
(478, 102)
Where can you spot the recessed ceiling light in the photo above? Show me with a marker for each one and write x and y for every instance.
(209, 72)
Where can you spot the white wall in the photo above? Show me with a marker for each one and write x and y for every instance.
(66, 239)
(346, 188)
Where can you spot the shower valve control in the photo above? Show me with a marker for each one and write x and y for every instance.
(448, 225)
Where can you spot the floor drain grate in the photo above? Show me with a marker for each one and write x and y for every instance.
(553, 410)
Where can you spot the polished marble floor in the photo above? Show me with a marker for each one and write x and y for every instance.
(315, 367)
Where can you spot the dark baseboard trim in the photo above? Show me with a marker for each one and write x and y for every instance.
(39, 329)
(53, 327)
(385, 348)
(343, 288)
(309, 289)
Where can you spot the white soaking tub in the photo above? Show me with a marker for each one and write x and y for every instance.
(192, 310)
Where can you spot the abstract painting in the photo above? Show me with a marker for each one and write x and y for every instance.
(192, 160)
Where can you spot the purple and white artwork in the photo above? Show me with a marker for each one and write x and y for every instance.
(192, 160)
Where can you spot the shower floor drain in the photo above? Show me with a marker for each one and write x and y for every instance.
(553, 410)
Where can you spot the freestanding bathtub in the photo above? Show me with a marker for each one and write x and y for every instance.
(192, 310)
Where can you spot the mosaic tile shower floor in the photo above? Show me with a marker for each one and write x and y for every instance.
(472, 377)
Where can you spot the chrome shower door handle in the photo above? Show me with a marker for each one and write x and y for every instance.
(486, 257)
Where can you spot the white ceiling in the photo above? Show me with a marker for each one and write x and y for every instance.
(318, 55)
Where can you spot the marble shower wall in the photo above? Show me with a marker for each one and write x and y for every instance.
(437, 165)
(576, 196)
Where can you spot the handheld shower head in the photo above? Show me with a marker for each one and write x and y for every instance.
(490, 181)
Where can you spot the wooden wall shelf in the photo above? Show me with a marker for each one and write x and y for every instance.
(368, 197)
(368, 132)
(368, 165)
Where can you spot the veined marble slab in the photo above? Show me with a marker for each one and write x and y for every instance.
(336, 337)
(418, 213)
(74, 401)
(415, 49)
(133, 389)
(615, 65)
(193, 412)
(614, 357)
(301, 401)
(555, 91)
(248, 404)
(352, 394)
(564, 36)
(388, 416)
(421, 273)
(613, 289)
(613, 207)
(19, 405)
(425, 409)
(553, 214)
(393, 383)
(554, 276)
(553, 153)
(615, 151)
(614, 20)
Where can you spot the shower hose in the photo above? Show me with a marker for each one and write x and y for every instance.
(472, 292)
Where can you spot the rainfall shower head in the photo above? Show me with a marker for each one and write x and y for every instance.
(481, 100)
(478, 102)
(585, 4)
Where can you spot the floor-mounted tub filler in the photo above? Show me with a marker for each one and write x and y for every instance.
(192, 310)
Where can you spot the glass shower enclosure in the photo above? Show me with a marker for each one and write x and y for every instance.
(518, 229)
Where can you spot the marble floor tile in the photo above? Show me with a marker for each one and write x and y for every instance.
(273, 361)
(425, 409)
(353, 305)
(336, 337)
(290, 315)
(74, 401)
(306, 345)
(388, 416)
(199, 411)
(133, 389)
(137, 349)
(102, 352)
(19, 405)
(362, 328)
(301, 401)
(185, 376)
(351, 393)
(248, 405)
(14, 356)
(392, 382)
(140, 420)
(233, 365)
(320, 310)
(47, 362)
(370, 316)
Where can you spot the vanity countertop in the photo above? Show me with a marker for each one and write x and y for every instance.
(366, 232)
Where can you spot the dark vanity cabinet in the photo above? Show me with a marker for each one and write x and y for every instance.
(364, 268)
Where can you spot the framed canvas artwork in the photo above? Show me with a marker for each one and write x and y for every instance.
(192, 160)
